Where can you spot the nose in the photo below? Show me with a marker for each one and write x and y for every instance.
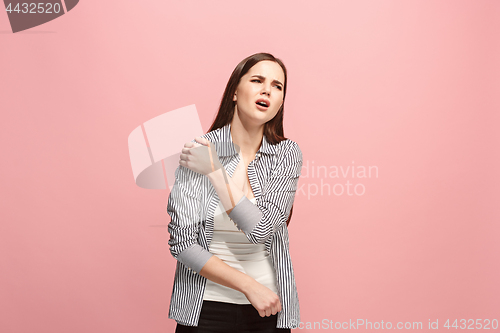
(266, 90)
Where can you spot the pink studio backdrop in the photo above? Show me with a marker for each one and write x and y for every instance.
(408, 90)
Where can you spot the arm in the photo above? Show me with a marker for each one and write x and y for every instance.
(183, 207)
(263, 299)
(259, 222)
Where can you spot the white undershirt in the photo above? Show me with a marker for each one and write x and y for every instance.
(233, 247)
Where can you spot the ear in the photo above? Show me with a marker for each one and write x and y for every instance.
(234, 97)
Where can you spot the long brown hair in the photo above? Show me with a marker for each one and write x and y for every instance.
(273, 129)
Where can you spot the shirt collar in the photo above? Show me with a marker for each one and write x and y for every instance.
(225, 147)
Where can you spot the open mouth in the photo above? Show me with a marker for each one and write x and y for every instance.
(262, 104)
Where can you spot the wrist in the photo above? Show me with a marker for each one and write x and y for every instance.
(247, 284)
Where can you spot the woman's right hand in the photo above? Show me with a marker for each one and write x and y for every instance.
(263, 299)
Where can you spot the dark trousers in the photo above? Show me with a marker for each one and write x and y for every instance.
(221, 317)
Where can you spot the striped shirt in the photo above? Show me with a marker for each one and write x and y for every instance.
(273, 175)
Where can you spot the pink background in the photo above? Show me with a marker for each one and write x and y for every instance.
(411, 87)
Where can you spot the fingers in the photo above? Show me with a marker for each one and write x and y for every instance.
(191, 144)
(276, 308)
(269, 311)
(272, 309)
(186, 151)
(203, 141)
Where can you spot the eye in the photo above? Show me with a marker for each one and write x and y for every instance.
(279, 87)
(255, 80)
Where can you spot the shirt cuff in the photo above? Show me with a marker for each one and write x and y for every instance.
(194, 257)
(246, 215)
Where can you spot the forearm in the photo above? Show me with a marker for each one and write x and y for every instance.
(242, 211)
(263, 299)
(219, 272)
(229, 193)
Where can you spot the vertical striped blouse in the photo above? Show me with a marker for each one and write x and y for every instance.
(273, 175)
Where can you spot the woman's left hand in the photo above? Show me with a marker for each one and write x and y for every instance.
(200, 156)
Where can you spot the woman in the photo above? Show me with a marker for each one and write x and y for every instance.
(230, 207)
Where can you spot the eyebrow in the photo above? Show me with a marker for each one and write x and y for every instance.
(263, 78)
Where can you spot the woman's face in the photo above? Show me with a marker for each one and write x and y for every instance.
(263, 83)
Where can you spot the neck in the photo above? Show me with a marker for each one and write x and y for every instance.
(246, 136)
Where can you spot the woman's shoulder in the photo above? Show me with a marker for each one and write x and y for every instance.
(288, 146)
(288, 143)
(289, 153)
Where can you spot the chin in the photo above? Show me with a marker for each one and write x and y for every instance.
(258, 121)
